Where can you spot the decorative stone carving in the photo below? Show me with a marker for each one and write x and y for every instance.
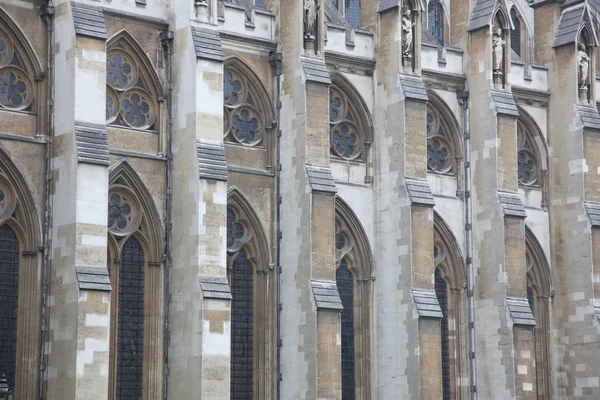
(498, 47)
(584, 65)
(310, 18)
(407, 33)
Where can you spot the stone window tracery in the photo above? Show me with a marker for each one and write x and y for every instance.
(347, 141)
(243, 122)
(528, 164)
(16, 87)
(440, 153)
(129, 98)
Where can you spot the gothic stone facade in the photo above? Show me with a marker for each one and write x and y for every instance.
(299, 199)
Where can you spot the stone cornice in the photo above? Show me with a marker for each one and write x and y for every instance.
(526, 96)
(443, 80)
(348, 63)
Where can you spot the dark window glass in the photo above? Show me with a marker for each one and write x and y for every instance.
(515, 35)
(259, 3)
(435, 20)
(9, 291)
(130, 323)
(441, 290)
(530, 299)
(242, 319)
(345, 284)
(353, 12)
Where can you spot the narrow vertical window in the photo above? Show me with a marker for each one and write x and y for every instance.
(441, 290)
(9, 291)
(435, 20)
(345, 284)
(130, 337)
(242, 320)
(530, 299)
(353, 12)
(515, 35)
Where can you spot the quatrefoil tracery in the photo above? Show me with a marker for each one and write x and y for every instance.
(241, 119)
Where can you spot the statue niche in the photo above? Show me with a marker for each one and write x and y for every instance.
(310, 23)
(583, 62)
(498, 44)
(407, 37)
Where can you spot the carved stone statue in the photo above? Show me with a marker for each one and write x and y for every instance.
(584, 65)
(310, 18)
(407, 32)
(498, 48)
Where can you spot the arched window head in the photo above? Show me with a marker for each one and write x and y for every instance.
(435, 20)
(131, 87)
(440, 149)
(515, 36)
(347, 140)
(527, 158)
(16, 86)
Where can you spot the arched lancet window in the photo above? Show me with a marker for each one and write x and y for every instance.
(9, 300)
(442, 146)
(132, 89)
(515, 36)
(353, 277)
(352, 12)
(531, 159)
(136, 277)
(539, 288)
(435, 20)
(449, 280)
(248, 258)
(20, 285)
(247, 110)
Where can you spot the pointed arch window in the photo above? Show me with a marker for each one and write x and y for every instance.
(131, 91)
(9, 300)
(136, 327)
(16, 86)
(435, 20)
(515, 35)
(440, 147)
(347, 138)
(527, 158)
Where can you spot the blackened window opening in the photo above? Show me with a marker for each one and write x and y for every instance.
(530, 299)
(441, 290)
(515, 35)
(130, 322)
(242, 324)
(352, 13)
(9, 291)
(345, 284)
(435, 20)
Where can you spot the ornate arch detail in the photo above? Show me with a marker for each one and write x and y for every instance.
(135, 83)
(538, 268)
(532, 148)
(148, 230)
(255, 240)
(449, 256)
(502, 16)
(32, 60)
(356, 248)
(363, 114)
(443, 133)
(252, 103)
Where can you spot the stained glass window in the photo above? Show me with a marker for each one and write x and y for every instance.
(130, 323)
(15, 85)
(435, 20)
(346, 140)
(439, 153)
(526, 160)
(241, 118)
(242, 319)
(345, 284)
(515, 35)
(352, 10)
(441, 291)
(9, 291)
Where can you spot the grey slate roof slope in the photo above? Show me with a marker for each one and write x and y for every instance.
(520, 312)
(334, 16)
(315, 70)
(326, 295)
(92, 144)
(212, 163)
(512, 204)
(568, 25)
(93, 278)
(320, 179)
(590, 118)
(215, 287)
(482, 14)
(207, 43)
(427, 303)
(419, 192)
(505, 103)
(413, 87)
(593, 212)
(88, 20)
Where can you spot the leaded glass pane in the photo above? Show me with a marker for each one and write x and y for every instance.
(530, 299)
(345, 284)
(353, 12)
(235, 230)
(9, 291)
(259, 3)
(435, 20)
(130, 323)
(515, 35)
(242, 319)
(441, 291)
